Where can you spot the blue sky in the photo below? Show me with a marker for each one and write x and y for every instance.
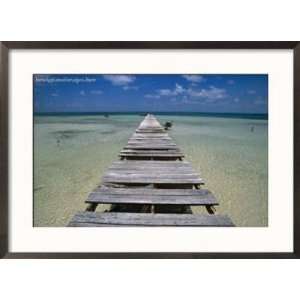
(166, 93)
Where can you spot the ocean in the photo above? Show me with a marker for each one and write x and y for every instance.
(73, 150)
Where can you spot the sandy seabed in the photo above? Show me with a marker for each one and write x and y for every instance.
(71, 153)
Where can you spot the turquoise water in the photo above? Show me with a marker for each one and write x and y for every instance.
(72, 152)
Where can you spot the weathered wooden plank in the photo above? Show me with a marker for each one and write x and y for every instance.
(153, 144)
(139, 136)
(150, 128)
(146, 173)
(135, 199)
(149, 134)
(152, 180)
(152, 163)
(150, 152)
(148, 131)
(147, 123)
(150, 169)
(147, 143)
(153, 151)
(154, 170)
(165, 139)
(138, 164)
(150, 122)
(94, 219)
(164, 149)
(151, 141)
(151, 196)
(153, 191)
(151, 147)
(166, 155)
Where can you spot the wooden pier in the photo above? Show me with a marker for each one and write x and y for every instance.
(150, 185)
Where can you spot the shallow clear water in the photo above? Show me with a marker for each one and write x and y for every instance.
(71, 153)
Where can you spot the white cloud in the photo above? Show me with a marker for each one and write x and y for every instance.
(165, 92)
(122, 80)
(259, 102)
(193, 78)
(179, 89)
(176, 91)
(96, 92)
(251, 92)
(128, 87)
(211, 94)
(153, 96)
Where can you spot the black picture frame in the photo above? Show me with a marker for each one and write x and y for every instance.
(6, 47)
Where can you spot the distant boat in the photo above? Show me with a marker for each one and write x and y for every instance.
(106, 116)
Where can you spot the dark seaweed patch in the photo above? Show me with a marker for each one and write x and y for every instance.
(67, 134)
(38, 188)
(108, 132)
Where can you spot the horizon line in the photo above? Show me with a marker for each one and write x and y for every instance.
(178, 112)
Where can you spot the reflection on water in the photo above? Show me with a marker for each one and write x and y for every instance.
(72, 153)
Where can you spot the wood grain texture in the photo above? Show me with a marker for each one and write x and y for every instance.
(92, 219)
(152, 196)
(153, 154)
(145, 164)
(176, 179)
(151, 151)
(152, 191)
